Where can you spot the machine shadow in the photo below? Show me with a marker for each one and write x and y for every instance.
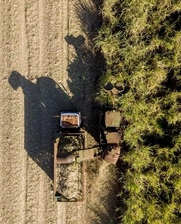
(43, 98)
(42, 101)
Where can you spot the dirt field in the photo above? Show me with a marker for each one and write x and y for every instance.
(47, 65)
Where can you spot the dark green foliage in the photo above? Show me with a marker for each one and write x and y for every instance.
(141, 44)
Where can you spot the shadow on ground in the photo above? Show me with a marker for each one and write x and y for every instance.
(44, 98)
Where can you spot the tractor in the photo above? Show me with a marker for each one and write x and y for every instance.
(71, 126)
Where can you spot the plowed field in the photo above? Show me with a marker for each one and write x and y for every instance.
(47, 65)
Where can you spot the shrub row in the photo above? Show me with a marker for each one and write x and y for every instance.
(141, 44)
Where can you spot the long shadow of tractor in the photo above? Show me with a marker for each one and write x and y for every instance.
(68, 160)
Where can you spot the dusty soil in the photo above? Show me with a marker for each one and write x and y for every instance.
(47, 65)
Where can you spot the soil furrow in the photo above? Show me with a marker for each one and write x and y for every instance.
(11, 170)
(31, 111)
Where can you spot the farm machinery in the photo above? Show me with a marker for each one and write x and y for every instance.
(70, 148)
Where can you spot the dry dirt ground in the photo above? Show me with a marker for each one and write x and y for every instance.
(47, 65)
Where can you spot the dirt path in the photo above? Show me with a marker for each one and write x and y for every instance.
(46, 66)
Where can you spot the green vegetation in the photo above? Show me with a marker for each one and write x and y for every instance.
(141, 43)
